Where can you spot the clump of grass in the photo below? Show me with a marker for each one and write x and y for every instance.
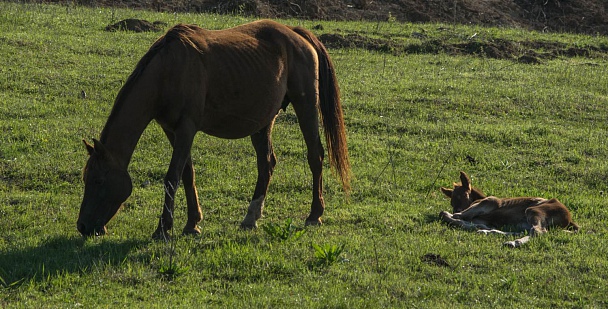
(327, 254)
(283, 232)
(171, 270)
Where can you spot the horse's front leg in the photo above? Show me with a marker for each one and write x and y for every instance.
(195, 215)
(266, 161)
(182, 143)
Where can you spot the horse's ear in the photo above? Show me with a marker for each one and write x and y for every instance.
(447, 192)
(465, 180)
(90, 148)
(100, 149)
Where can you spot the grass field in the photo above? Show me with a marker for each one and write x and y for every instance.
(412, 119)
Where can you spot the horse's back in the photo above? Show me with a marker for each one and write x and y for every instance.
(234, 81)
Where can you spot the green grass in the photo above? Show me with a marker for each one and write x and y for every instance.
(412, 119)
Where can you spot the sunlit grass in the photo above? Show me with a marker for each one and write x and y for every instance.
(412, 121)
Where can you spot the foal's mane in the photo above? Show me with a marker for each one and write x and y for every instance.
(179, 32)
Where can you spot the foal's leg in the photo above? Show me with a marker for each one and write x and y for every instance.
(453, 221)
(182, 143)
(482, 207)
(536, 218)
(266, 161)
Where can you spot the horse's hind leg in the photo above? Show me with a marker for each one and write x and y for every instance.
(266, 161)
(309, 125)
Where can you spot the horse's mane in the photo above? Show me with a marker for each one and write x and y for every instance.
(180, 32)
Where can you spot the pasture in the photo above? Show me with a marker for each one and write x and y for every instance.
(414, 117)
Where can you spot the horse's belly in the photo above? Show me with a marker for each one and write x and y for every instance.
(241, 116)
(233, 126)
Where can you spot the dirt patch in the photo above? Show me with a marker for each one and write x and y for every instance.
(136, 25)
(529, 52)
(578, 16)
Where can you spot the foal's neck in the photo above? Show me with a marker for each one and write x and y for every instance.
(476, 194)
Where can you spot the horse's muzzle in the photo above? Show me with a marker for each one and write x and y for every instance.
(91, 230)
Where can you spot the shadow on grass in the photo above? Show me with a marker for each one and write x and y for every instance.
(430, 218)
(60, 255)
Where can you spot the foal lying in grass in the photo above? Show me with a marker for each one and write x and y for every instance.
(474, 211)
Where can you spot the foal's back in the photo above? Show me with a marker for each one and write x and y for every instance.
(502, 212)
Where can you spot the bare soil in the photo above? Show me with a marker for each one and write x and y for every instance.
(576, 16)
(573, 16)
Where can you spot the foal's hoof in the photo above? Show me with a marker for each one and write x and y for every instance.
(512, 244)
(444, 214)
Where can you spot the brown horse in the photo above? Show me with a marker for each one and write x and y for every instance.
(229, 84)
(474, 211)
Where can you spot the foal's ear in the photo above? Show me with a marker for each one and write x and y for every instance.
(90, 148)
(447, 192)
(465, 180)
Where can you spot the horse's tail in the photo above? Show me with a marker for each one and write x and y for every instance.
(331, 110)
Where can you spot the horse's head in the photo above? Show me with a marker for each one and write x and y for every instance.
(463, 195)
(106, 186)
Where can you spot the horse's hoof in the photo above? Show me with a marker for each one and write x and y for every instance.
(249, 226)
(191, 231)
(313, 222)
(161, 236)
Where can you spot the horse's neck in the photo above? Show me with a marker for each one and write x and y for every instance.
(122, 131)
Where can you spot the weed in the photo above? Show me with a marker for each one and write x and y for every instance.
(284, 232)
(327, 254)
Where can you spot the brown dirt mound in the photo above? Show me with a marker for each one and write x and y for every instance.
(136, 25)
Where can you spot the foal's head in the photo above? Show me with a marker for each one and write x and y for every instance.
(106, 187)
(463, 195)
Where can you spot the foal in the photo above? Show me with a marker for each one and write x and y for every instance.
(474, 211)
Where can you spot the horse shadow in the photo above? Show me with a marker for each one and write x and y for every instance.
(60, 255)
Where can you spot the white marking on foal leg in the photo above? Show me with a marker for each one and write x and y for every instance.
(495, 231)
(254, 212)
(518, 242)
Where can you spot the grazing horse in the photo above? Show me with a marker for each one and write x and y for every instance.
(226, 83)
(474, 211)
